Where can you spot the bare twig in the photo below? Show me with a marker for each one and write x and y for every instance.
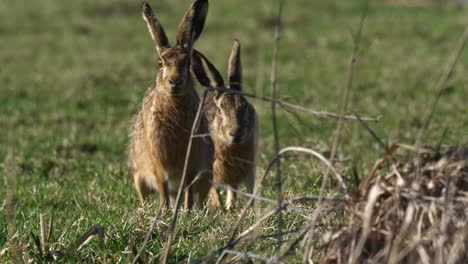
(283, 206)
(255, 225)
(448, 69)
(172, 230)
(247, 255)
(373, 134)
(338, 176)
(286, 105)
(315, 198)
(339, 127)
(274, 69)
(232, 239)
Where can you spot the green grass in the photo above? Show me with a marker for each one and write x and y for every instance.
(73, 73)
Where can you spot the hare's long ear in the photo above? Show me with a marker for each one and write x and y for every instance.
(192, 24)
(155, 28)
(235, 68)
(205, 71)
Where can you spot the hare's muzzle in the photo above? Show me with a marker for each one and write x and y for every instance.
(174, 85)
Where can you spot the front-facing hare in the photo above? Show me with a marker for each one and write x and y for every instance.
(233, 125)
(161, 130)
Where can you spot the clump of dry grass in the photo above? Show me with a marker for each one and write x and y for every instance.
(405, 215)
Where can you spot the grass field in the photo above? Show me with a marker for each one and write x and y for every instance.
(73, 74)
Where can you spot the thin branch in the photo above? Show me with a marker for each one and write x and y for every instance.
(447, 71)
(232, 239)
(282, 206)
(172, 230)
(339, 127)
(286, 105)
(255, 225)
(315, 198)
(247, 255)
(274, 88)
(338, 176)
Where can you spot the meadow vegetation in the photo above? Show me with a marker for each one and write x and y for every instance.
(73, 73)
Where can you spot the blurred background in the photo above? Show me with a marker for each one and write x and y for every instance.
(73, 73)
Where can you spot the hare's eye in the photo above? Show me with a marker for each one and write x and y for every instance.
(160, 63)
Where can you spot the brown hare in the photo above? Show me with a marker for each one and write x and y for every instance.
(233, 125)
(161, 129)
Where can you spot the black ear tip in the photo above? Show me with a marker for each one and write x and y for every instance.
(201, 1)
(146, 9)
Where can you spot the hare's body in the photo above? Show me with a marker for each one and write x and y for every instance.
(161, 130)
(235, 163)
(159, 145)
(233, 125)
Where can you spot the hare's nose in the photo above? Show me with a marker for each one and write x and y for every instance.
(175, 82)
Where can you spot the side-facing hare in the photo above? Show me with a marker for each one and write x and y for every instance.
(161, 129)
(233, 125)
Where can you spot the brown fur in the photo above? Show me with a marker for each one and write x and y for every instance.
(161, 129)
(234, 162)
(233, 125)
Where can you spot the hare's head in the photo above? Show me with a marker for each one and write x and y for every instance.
(235, 117)
(174, 62)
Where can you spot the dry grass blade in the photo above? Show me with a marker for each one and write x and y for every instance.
(82, 240)
(183, 181)
(328, 163)
(374, 194)
(406, 216)
(456, 252)
(233, 240)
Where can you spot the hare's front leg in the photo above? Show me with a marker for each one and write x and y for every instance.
(231, 197)
(215, 197)
(163, 190)
(188, 198)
